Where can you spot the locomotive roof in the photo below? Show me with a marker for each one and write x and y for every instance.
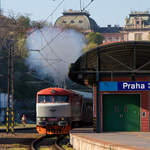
(59, 91)
(87, 95)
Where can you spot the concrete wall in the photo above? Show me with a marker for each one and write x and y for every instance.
(81, 143)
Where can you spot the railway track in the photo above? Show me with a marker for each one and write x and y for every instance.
(29, 138)
(47, 142)
(22, 138)
(20, 129)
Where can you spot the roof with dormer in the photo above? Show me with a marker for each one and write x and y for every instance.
(77, 19)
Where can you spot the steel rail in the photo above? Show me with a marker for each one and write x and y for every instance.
(19, 129)
(34, 143)
(57, 143)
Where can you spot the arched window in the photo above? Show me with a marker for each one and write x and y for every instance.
(63, 21)
(72, 21)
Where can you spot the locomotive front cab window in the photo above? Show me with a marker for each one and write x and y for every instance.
(61, 99)
(45, 99)
(53, 99)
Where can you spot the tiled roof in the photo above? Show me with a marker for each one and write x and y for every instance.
(110, 29)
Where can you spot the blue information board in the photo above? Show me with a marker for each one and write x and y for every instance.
(124, 86)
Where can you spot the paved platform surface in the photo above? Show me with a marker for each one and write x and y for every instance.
(115, 140)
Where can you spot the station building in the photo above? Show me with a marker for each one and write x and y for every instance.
(137, 26)
(119, 74)
(79, 20)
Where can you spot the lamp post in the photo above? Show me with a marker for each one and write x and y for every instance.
(10, 99)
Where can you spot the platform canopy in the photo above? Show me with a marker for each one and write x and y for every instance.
(131, 58)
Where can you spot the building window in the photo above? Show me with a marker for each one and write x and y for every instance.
(137, 22)
(80, 21)
(117, 38)
(122, 38)
(72, 21)
(63, 21)
(110, 39)
(138, 36)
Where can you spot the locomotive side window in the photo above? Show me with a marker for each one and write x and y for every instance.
(61, 99)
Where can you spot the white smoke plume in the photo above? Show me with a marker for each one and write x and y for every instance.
(58, 49)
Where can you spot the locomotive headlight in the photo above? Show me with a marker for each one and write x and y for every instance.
(43, 119)
(38, 119)
(62, 118)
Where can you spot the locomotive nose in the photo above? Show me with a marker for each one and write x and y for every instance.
(51, 111)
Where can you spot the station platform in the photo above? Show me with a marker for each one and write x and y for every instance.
(86, 139)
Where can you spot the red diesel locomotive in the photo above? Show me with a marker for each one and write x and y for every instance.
(57, 109)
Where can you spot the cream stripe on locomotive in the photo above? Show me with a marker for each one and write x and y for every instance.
(53, 110)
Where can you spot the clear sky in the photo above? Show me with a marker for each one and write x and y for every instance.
(104, 12)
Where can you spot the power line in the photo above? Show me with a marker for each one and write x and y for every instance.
(55, 9)
(52, 49)
(46, 81)
(50, 14)
(54, 38)
(87, 5)
(48, 43)
(80, 5)
(50, 64)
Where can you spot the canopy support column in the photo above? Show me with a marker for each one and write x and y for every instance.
(98, 98)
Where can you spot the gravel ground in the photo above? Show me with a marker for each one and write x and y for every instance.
(65, 143)
(21, 140)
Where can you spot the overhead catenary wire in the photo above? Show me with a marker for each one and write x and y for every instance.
(87, 5)
(55, 37)
(45, 38)
(50, 64)
(52, 50)
(50, 14)
(46, 81)
(47, 61)
(55, 9)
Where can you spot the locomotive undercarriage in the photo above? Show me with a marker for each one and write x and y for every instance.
(59, 126)
(53, 129)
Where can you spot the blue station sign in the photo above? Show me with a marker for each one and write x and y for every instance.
(124, 86)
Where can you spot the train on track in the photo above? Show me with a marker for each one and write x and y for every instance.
(58, 110)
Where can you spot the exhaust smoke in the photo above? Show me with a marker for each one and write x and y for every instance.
(52, 50)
